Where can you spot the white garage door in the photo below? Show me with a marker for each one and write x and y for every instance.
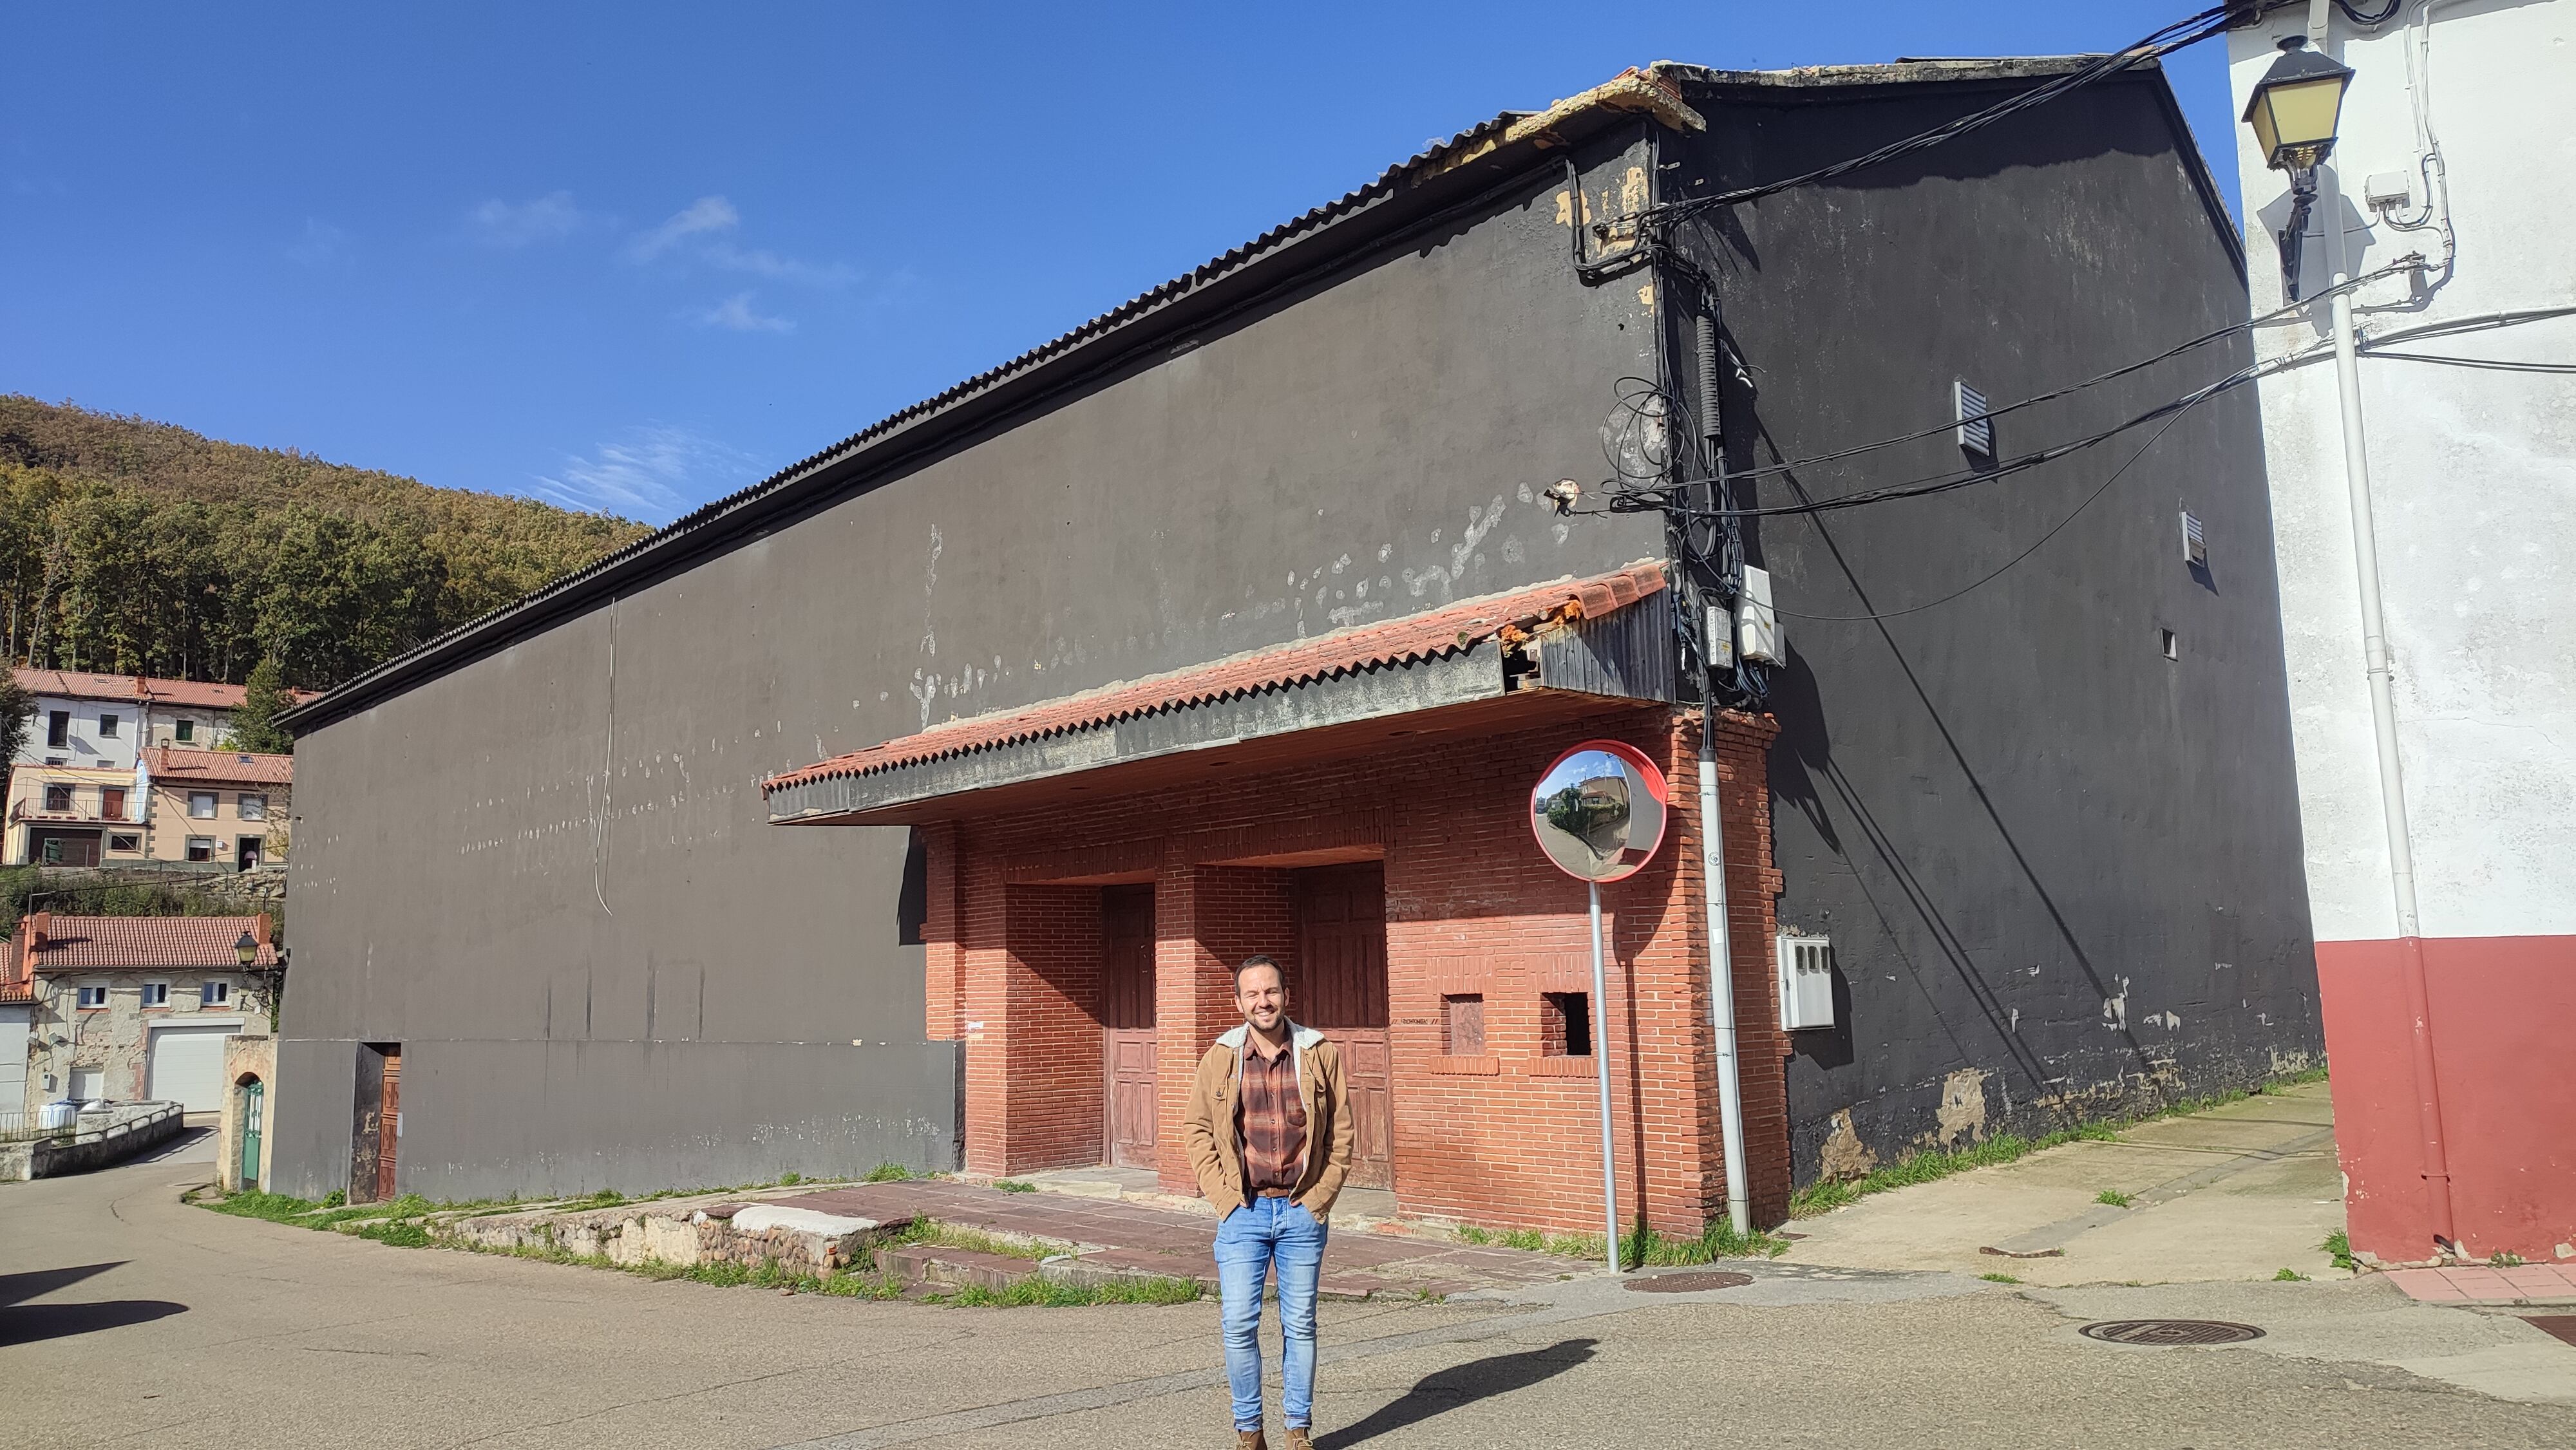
(188, 1065)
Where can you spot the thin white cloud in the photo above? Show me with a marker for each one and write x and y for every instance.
(700, 233)
(653, 474)
(762, 263)
(699, 218)
(735, 314)
(518, 224)
(321, 244)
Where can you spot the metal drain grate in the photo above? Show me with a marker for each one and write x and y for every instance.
(2170, 1331)
(1689, 1283)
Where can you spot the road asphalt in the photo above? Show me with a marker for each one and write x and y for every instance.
(137, 1319)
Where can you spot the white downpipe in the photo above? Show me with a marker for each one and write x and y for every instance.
(1721, 980)
(1601, 1061)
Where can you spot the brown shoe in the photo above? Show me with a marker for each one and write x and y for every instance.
(1297, 1438)
(1251, 1440)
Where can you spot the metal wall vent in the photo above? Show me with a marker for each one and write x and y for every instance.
(1976, 430)
(2195, 542)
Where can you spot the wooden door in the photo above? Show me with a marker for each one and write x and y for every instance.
(1341, 990)
(389, 1128)
(1127, 1049)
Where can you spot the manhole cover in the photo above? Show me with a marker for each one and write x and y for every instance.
(2170, 1331)
(1689, 1283)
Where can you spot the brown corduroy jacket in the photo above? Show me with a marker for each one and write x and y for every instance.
(1216, 1150)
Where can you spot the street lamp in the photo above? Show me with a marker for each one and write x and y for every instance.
(246, 951)
(2293, 113)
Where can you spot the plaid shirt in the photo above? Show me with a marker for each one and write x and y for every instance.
(1270, 1121)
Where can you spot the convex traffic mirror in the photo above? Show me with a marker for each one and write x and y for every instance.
(1599, 810)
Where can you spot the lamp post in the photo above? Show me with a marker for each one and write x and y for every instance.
(2294, 111)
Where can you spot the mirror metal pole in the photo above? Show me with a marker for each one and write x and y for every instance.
(1601, 1061)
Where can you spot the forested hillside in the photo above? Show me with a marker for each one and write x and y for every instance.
(137, 547)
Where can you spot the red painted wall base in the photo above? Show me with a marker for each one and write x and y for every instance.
(2502, 1011)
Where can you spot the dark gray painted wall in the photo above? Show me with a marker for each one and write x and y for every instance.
(548, 874)
(2058, 869)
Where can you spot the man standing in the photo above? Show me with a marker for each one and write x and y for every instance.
(1270, 1135)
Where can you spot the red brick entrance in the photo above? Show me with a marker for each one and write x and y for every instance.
(1032, 960)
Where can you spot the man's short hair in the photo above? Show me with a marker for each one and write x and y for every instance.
(1259, 961)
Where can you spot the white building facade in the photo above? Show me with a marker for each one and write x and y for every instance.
(2455, 148)
(95, 721)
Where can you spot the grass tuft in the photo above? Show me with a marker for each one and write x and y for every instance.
(2289, 1276)
(1038, 1291)
(2338, 1247)
(1999, 1278)
(2114, 1197)
(1014, 1185)
(888, 1173)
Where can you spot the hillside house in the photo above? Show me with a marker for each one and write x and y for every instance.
(126, 1008)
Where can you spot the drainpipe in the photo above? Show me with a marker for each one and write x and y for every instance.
(1712, 842)
(2381, 673)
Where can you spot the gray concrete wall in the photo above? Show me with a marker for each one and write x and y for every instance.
(548, 874)
(2060, 871)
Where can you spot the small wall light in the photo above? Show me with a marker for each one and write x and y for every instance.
(2293, 112)
(246, 950)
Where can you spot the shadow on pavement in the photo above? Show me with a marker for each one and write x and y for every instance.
(24, 1323)
(1443, 1391)
(28, 1323)
(19, 1288)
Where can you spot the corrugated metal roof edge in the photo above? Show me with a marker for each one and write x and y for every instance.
(1480, 142)
(1645, 573)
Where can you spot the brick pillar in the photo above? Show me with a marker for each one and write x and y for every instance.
(1033, 1067)
(944, 981)
(1206, 920)
(983, 973)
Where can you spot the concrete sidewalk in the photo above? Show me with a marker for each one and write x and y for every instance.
(2238, 1192)
(1128, 1237)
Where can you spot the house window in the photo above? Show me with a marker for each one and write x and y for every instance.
(201, 805)
(58, 798)
(107, 726)
(1565, 1024)
(58, 730)
(201, 848)
(187, 731)
(215, 994)
(156, 994)
(93, 996)
(1462, 1025)
(124, 841)
(254, 807)
(111, 802)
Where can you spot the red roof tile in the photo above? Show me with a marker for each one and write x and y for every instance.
(70, 943)
(187, 694)
(1441, 632)
(171, 764)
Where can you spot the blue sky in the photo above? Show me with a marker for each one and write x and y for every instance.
(633, 257)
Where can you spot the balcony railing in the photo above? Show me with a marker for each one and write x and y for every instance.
(77, 815)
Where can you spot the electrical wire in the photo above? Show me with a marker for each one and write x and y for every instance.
(2188, 31)
(2007, 565)
(2357, 16)
(2490, 364)
(2402, 264)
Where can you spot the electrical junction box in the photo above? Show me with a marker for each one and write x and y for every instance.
(1806, 983)
(1757, 624)
(2388, 190)
(1720, 636)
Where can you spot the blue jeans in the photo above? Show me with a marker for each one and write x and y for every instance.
(1267, 1233)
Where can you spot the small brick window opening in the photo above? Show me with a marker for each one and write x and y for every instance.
(1462, 1025)
(1565, 1024)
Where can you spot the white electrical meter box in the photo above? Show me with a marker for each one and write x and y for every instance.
(1757, 624)
(1721, 638)
(1806, 982)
